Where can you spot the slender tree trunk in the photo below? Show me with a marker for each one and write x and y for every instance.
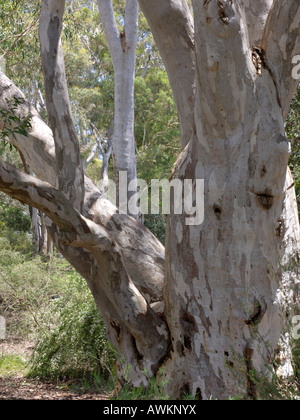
(123, 52)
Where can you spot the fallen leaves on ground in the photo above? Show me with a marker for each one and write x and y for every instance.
(22, 388)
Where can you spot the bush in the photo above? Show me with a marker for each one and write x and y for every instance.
(75, 347)
(25, 287)
(15, 218)
(49, 303)
(157, 225)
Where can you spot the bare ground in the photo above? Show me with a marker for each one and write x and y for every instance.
(17, 386)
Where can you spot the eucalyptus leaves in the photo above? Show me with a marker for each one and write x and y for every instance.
(12, 123)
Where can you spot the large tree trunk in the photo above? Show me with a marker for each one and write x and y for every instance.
(229, 292)
(229, 286)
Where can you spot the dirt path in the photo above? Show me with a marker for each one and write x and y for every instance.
(20, 388)
(15, 385)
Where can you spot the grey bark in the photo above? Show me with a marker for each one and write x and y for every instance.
(69, 166)
(229, 281)
(122, 48)
(173, 29)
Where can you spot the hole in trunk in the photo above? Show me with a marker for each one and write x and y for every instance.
(187, 342)
(218, 211)
(263, 171)
(116, 326)
(185, 390)
(198, 394)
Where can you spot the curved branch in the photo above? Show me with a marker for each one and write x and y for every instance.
(76, 231)
(111, 30)
(43, 196)
(143, 254)
(173, 29)
(280, 43)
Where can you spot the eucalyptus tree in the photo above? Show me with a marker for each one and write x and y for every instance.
(215, 297)
(122, 46)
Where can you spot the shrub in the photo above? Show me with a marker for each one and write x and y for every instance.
(156, 223)
(75, 347)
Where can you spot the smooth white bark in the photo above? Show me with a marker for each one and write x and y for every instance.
(123, 52)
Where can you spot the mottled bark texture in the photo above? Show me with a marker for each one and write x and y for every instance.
(228, 290)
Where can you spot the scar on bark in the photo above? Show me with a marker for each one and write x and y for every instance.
(257, 59)
(223, 17)
(123, 40)
(266, 199)
(280, 228)
(260, 61)
(218, 211)
(258, 312)
(116, 326)
(139, 356)
(251, 386)
(189, 327)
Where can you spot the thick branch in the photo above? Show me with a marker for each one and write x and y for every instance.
(131, 19)
(38, 147)
(172, 26)
(225, 72)
(281, 42)
(43, 196)
(143, 254)
(76, 231)
(70, 177)
(111, 30)
(256, 14)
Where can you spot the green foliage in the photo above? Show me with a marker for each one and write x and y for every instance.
(94, 169)
(19, 42)
(153, 392)
(75, 344)
(25, 287)
(12, 123)
(14, 218)
(293, 132)
(10, 364)
(156, 223)
(157, 127)
(49, 303)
